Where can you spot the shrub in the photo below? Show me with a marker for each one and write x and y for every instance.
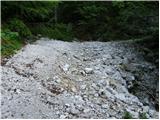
(142, 116)
(17, 25)
(63, 32)
(58, 31)
(127, 115)
(10, 42)
(7, 34)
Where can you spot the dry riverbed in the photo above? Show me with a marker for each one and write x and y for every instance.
(56, 79)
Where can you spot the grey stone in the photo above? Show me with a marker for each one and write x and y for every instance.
(120, 96)
(89, 70)
(151, 112)
(67, 105)
(104, 93)
(96, 95)
(57, 112)
(101, 83)
(107, 56)
(50, 99)
(74, 110)
(83, 87)
(62, 116)
(145, 109)
(94, 85)
(109, 70)
(82, 72)
(65, 67)
(86, 110)
(80, 79)
(117, 76)
(58, 80)
(17, 91)
(130, 77)
(105, 106)
(146, 101)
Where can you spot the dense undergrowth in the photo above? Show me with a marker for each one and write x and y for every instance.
(57, 31)
(68, 21)
(10, 42)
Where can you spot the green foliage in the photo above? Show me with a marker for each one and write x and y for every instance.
(10, 42)
(58, 31)
(127, 115)
(111, 20)
(42, 29)
(94, 20)
(137, 17)
(28, 10)
(102, 20)
(17, 25)
(142, 116)
(63, 32)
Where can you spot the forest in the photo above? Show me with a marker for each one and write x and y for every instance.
(23, 21)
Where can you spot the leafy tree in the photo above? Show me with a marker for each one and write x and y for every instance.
(17, 25)
(30, 11)
(94, 20)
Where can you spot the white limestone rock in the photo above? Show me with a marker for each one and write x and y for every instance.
(88, 70)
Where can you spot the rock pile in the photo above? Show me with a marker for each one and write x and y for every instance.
(55, 79)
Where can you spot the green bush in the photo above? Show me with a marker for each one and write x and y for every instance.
(10, 42)
(63, 32)
(7, 34)
(58, 31)
(17, 25)
(142, 116)
(127, 115)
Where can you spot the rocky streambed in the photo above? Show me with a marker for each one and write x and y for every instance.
(55, 79)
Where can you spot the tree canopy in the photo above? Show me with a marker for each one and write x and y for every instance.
(96, 20)
(82, 20)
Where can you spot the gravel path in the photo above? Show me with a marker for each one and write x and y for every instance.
(55, 79)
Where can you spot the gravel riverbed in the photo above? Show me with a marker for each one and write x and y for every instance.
(56, 79)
